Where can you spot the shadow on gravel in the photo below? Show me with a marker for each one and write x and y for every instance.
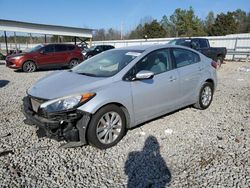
(147, 168)
(3, 83)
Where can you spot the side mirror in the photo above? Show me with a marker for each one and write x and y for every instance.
(42, 52)
(143, 75)
(97, 49)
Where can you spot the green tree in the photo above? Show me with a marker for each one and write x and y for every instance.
(209, 21)
(168, 26)
(154, 30)
(224, 24)
(137, 33)
(183, 23)
(242, 20)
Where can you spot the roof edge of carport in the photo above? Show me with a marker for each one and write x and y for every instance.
(26, 27)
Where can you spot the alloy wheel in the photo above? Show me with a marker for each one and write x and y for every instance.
(73, 63)
(29, 66)
(109, 127)
(206, 96)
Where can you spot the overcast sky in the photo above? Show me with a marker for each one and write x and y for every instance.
(107, 13)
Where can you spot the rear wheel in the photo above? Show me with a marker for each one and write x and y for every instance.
(219, 61)
(29, 66)
(205, 96)
(107, 127)
(73, 63)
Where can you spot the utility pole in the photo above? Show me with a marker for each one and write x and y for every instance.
(31, 40)
(121, 30)
(6, 42)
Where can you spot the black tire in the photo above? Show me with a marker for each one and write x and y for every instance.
(219, 61)
(96, 120)
(73, 63)
(29, 66)
(200, 103)
(89, 56)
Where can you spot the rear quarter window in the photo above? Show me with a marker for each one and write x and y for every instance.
(185, 57)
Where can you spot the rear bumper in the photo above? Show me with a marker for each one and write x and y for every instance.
(64, 126)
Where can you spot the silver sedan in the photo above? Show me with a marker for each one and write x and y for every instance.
(98, 100)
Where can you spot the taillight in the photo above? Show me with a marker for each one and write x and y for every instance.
(214, 64)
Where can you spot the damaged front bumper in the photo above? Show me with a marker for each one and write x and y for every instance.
(70, 125)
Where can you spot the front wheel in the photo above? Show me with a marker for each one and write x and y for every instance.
(29, 66)
(107, 127)
(205, 96)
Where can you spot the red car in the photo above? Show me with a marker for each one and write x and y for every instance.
(46, 55)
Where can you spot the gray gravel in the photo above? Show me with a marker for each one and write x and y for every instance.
(188, 148)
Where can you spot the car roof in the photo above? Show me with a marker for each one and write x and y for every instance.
(188, 38)
(46, 44)
(148, 47)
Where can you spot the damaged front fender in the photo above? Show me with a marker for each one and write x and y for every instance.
(70, 126)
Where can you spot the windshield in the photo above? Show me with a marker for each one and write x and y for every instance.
(106, 64)
(35, 48)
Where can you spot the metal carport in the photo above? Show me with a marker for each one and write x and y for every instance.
(25, 27)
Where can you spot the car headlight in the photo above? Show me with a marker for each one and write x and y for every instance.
(66, 103)
(17, 57)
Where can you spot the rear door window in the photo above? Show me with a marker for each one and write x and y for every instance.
(157, 62)
(49, 49)
(60, 48)
(185, 57)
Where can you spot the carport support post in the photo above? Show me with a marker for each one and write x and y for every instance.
(75, 40)
(45, 39)
(235, 46)
(6, 42)
(90, 42)
(31, 40)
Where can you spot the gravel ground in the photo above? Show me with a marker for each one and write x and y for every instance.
(188, 148)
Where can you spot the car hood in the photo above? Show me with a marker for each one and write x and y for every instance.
(16, 55)
(65, 83)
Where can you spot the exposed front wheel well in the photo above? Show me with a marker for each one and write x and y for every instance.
(74, 58)
(210, 81)
(124, 109)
